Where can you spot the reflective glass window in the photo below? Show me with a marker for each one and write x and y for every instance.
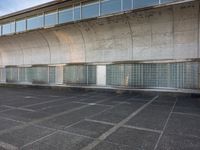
(77, 12)
(8, 28)
(145, 3)
(66, 15)
(90, 9)
(20, 25)
(51, 19)
(167, 1)
(35, 22)
(127, 4)
(110, 6)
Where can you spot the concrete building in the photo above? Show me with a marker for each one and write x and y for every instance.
(136, 44)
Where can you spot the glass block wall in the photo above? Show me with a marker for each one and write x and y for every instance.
(52, 74)
(79, 74)
(2, 74)
(91, 75)
(180, 75)
(40, 74)
(11, 74)
(183, 75)
(25, 75)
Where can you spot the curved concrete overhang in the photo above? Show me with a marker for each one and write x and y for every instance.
(166, 33)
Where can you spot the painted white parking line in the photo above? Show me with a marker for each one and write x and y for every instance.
(117, 126)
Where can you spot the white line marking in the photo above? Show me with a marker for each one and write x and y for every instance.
(117, 126)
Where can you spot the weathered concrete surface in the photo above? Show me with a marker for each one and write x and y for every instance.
(163, 33)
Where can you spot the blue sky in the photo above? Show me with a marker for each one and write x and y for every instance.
(9, 6)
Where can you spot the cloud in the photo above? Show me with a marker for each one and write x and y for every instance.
(10, 6)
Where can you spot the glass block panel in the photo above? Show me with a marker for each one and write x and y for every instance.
(25, 74)
(173, 75)
(2, 74)
(11, 74)
(115, 75)
(137, 75)
(162, 75)
(128, 75)
(29, 74)
(91, 74)
(22, 74)
(75, 74)
(40, 74)
(52, 74)
(180, 75)
(191, 75)
(149, 75)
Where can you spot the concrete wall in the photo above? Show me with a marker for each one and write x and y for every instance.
(163, 33)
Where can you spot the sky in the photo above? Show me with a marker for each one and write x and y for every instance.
(10, 6)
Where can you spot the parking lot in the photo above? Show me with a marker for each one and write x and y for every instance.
(44, 119)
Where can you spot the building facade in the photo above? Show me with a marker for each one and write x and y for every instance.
(109, 43)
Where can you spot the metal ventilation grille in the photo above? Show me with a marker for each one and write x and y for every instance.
(79, 74)
(170, 75)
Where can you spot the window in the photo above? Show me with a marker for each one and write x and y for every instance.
(35, 22)
(8, 28)
(66, 15)
(167, 1)
(127, 4)
(77, 12)
(21, 26)
(90, 10)
(110, 6)
(51, 19)
(145, 3)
